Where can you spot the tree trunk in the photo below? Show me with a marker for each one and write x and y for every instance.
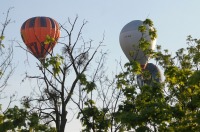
(63, 120)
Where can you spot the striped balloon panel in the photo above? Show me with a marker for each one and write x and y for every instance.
(34, 32)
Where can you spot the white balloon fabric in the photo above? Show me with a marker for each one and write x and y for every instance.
(129, 41)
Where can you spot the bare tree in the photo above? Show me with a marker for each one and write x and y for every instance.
(100, 102)
(62, 75)
(6, 53)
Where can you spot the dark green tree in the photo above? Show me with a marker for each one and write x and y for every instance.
(20, 119)
(172, 105)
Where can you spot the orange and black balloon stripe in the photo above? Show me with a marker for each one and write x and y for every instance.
(34, 32)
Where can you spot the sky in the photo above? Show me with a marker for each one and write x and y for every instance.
(173, 19)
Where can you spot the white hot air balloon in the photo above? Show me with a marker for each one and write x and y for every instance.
(129, 41)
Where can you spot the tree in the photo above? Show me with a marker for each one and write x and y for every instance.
(6, 65)
(20, 119)
(61, 76)
(96, 111)
(14, 119)
(170, 106)
(6, 53)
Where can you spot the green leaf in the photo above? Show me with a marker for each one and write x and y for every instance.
(83, 79)
(55, 62)
(49, 40)
(142, 28)
(2, 37)
(148, 22)
(90, 87)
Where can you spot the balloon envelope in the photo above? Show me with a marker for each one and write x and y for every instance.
(34, 32)
(129, 41)
(155, 75)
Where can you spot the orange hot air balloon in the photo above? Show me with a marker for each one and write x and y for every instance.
(35, 32)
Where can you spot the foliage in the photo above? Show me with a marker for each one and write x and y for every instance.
(49, 40)
(20, 119)
(172, 105)
(55, 62)
(94, 119)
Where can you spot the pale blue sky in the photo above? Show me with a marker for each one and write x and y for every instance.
(173, 19)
